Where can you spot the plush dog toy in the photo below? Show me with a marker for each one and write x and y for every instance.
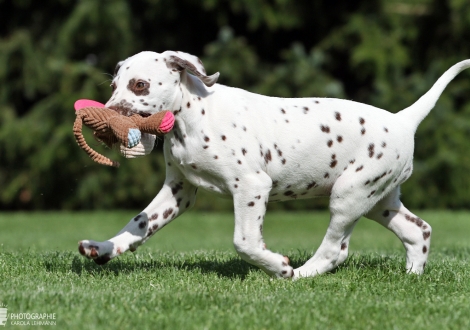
(110, 127)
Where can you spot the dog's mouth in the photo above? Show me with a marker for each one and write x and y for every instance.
(126, 109)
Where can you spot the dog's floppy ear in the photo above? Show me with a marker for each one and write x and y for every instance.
(184, 61)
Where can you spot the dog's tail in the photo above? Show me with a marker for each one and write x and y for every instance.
(421, 108)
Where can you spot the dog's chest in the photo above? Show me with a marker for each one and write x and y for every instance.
(200, 159)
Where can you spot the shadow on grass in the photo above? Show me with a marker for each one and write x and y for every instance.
(231, 267)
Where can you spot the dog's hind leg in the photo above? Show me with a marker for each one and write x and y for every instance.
(414, 232)
(346, 207)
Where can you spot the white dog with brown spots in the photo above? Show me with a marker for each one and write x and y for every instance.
(261, 149)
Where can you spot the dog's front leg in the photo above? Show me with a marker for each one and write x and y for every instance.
(250, 202)
(176, 196)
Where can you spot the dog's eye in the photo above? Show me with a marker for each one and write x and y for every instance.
(140, 85)
(113, 86)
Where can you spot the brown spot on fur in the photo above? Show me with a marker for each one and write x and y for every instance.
(371, 150)
(251, 204)
(339, 138)
(377, 178)
(426, 235)
(337, 116)
(361, 121)
(81, 249)
(94, 251)
(425, 249)
(325, 129)
(343, 246)
(288, 193)
(267, 156)
(154, 216)
(311, 185)
(167, 213)
(142, 225)
(326, 176)
(329, 143)
(415, 220)
(359, 168)
(386, 213)
(371, 193)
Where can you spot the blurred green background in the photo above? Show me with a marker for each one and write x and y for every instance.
(385, 53)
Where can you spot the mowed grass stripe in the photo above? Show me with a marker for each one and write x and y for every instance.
(189, 277)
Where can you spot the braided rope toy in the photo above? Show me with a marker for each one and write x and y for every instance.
(110, 127)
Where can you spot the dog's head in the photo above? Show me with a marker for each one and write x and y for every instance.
(149, 82)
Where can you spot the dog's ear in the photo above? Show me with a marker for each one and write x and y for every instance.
(184, 61)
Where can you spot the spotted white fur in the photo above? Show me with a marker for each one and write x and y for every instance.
(261, 149)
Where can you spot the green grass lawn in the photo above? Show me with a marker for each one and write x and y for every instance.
(188, 275)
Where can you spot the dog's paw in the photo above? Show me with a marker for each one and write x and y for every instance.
(101, 253)
(287, 271)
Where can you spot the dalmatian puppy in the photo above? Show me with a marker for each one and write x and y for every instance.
(260, 149)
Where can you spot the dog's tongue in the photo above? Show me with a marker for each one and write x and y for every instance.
(83, 103)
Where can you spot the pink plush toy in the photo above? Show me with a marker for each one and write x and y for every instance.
(111, 127)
